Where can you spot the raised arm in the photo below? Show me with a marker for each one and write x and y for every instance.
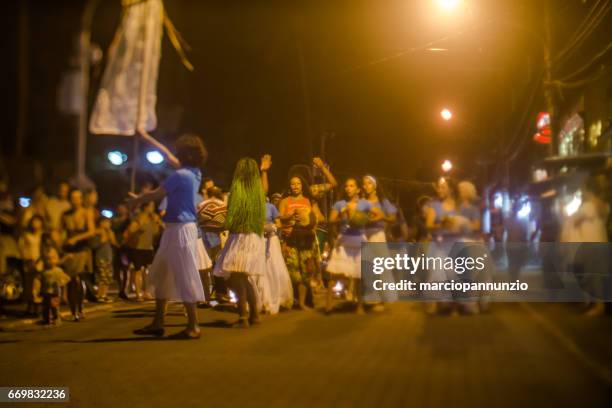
(329, 177)
(172, 159)
(266, 163)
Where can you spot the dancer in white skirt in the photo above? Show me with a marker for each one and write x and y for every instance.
(351, 214)
(375, 231)
(174, 273)
(242, 260)
(275, 290)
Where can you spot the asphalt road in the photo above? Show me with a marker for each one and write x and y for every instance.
(517, 355)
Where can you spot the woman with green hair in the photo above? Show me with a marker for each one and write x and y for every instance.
(242, 260)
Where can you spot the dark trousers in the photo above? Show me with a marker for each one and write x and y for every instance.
(88, 279)
(219, 285)
(75, 295)
(205, 278)
(50, 312)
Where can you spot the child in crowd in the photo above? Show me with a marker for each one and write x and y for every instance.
(54, 239)
(121, 263)
(140, 237)
(54, 281)
(30, 243)
(104, 258)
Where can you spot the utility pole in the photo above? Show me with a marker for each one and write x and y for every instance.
(305, 92)
(84, 64)
(23, 72)
(548, 90)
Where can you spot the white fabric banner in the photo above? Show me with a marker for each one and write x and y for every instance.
(128, 93)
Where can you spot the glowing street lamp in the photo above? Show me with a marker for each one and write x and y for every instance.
(24, 202)
(448, 5)
(155, 157)
(106, 213)
(446, 114)
(116, 158)
(447, 166)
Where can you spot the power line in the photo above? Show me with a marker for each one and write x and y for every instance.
(584, 32)
(579, 83)
(524, 116)
(588, 64)
(402, 53)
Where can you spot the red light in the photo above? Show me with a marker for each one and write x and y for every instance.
(544, 134)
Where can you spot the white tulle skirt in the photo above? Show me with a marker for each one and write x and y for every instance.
(204, 261)
(345, 258)
(242, 253)
(379, 237)
(174, 272)
(275, 290)
(375, 235)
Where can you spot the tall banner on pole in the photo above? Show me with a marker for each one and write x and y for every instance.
(128, 93)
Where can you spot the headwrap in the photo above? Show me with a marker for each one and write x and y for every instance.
(372, 179)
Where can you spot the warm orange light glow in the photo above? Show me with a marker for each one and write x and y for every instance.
(447, 166)
(446, 114)
(448, 5)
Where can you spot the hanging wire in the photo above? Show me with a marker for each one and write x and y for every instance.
(579, 83)
(411, 50)
(586, 66)
(525, 117)
(587, 27)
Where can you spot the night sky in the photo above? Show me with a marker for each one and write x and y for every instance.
(249, 93)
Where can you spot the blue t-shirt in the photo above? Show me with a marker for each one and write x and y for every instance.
(471, 212)
(362, 205)
(387, 209)
(271, 213)
(440, 211)
(163, 204)
(181, 193)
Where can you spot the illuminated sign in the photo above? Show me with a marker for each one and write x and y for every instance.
(544, 133)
